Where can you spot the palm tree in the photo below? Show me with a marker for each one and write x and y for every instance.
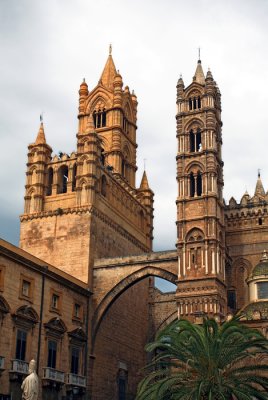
(207, 362)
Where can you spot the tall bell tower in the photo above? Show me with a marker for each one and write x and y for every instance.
(86, 205)
(200, 208)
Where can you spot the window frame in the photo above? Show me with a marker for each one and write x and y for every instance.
(30, 281)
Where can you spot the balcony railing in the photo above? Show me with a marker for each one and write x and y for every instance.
(53, 375)
(2, 362)
(76, 380)
(19, 366)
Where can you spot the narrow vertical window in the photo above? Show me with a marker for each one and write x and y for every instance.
(103, 117)
(95, 119)
(103, 186)
(74, 177)
(199, 102)
(190, 104)
(192, 185)
(199, 184)
(52, 354)
(49, 181)
(63, 179)
(192, 141)
(21, 345)
(231, 299)
(75, 353)
(195, 104)
(198, 140)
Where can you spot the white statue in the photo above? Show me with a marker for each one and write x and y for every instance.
(30, 384)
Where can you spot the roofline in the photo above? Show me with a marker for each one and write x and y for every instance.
(16, 254)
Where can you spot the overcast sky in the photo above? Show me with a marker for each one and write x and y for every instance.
(48, 47)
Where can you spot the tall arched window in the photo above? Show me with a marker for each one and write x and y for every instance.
(49, 181)
(62, 179)
(195, 141)
(194, 103)
(195, 184)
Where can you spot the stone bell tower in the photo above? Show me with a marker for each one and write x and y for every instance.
(85, 205)
(200, 208)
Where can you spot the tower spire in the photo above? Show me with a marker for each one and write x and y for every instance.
(109, 72)
(259, 190)
(199, 76)
(40, 138)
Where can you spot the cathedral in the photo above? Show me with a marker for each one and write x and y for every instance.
(78, 294)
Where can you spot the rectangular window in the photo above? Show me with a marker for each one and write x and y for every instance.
(262, 290)
(21, 345)
(75, 354)
(25, 289)
(122, 388)
(55, 301)
(52, 354)
(77, 311)
(231, 299)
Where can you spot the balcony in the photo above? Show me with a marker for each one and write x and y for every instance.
(76, 380)
(53, 375)
(18, 368)
(2, 364)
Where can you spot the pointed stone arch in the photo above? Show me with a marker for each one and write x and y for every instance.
(122, 286)
(99, 100)
(195, 234)
(172, 317)
(194, 124)
(195, 166)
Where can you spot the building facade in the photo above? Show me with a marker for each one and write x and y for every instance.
(79, 294)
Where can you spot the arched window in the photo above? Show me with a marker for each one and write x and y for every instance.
(49, 181)
(260, 221)
(62, 179)
(195, 103)
(103, 186)
(195, 184)
(74, 178)
(195, 141)
(99, 118)
(199, 102)
(199, 184)
(192, 185)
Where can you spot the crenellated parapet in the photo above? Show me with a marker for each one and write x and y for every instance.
(250, 212)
